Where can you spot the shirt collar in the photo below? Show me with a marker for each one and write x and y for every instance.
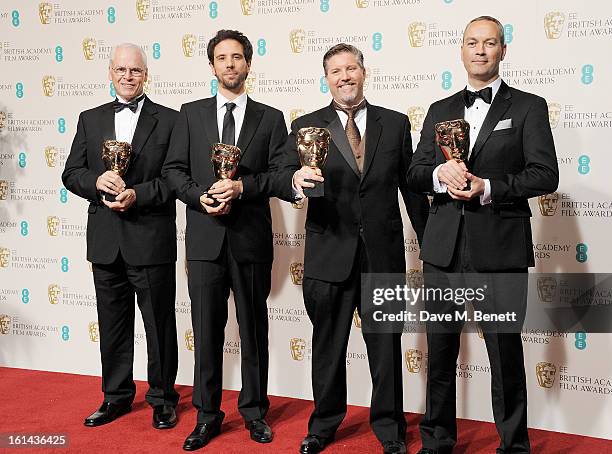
(494, 87)
(240, 101)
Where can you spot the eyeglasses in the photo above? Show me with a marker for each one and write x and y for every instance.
(122, 71)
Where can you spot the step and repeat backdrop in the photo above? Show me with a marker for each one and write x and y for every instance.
(54, 64)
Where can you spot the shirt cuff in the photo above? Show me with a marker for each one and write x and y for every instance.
(485, 197)
(438, 186)
(296, 194)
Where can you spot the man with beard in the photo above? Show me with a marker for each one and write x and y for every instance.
(228, 246)
(354, 228)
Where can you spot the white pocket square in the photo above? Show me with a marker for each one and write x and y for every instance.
(503, 124)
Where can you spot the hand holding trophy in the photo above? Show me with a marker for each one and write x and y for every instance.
(225, 160)
(313, 146)
(116, 157)
(453, 138)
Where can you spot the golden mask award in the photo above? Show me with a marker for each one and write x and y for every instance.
(453, 138)
(225, 160)
(313, 146)
(116, 157)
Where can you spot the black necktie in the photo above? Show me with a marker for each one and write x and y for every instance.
(469, 97)
(118, 106)
(229, 125)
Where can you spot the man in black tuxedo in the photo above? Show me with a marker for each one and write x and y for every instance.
(484, 228)
(355, 228)
(229, 246)
(131, 241)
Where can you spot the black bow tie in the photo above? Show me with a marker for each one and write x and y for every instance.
(118, 106)
(486, 94)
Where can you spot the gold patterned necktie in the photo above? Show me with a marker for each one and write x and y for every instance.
(352, 131)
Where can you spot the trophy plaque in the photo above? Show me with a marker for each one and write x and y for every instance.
(313, 146)
(225, 160)
(116, 157)
(453, 138)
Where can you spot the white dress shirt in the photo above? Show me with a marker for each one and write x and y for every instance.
(239, 110)
(126, 121)
(475, 116)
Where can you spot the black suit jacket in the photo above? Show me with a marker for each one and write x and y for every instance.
(189, 171)
(355, 205)
(146, 233)
(520, 163)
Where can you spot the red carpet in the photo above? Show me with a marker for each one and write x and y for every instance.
(45, 402)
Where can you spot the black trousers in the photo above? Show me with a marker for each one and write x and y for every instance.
(505, 350)
(154, 286)
(209, 286)
(330, 307)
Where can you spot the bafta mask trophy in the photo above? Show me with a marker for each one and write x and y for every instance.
(116, 157)
(225, 163)
(453, 138)
(313, 145)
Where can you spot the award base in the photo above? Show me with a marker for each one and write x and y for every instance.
(109, 197)
(467, 187)
(317, 191)
(215, 203)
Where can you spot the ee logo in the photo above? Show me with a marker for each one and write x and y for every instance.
(581, 252)
(584, 164)
(111, 15)
(213, 10)
(261, 47)
(63, 195)
(587, 74)
(24, 228)
(377, 41)
(447, 80)
(580, 340)
(323, 85)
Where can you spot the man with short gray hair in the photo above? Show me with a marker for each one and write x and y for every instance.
(131, 238)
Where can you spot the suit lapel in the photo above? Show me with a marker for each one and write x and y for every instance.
(107, 127)
(498, 108)
(208, 117)
(373, 132)
(338, 136)
(146, 122)
(456, 108)
(252, 117)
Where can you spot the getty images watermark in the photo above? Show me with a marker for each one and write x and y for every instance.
(487, 302)
(410, 296)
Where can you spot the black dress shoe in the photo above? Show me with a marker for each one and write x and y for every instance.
(164, 417)
(260, 430)
(108, 412)
(428, 451)
(201, 435)
(314, 444)
(394, 447)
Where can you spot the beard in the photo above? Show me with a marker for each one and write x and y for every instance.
(351, 97)
(232, 84)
